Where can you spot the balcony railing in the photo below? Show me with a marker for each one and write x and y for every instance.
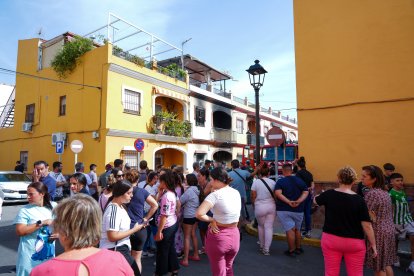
(210, 88)
(251, 140)
(224, 135)
(173, 73)
(170, 126)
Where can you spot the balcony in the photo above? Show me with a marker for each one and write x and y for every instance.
(223, 135)
(251, 140)
(210, 88)
(167, 124)
(171, 70)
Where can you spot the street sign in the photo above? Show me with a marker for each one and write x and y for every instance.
(139, 145)
(59, 147)
(76, 146)
(275, 136)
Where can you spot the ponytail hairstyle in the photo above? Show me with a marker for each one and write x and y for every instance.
(119, 189)
(301, 163)
(42, 189)
(220, 175)
(375, 172)
(192, 181)
(264, 170)
(179, 179)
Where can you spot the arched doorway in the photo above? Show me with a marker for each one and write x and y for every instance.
(168, 157)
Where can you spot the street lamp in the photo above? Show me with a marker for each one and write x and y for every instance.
(256, 71)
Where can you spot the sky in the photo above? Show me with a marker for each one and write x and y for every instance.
(227, 35)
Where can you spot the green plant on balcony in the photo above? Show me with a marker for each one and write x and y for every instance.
(136, 59)
(167, 123)
(67, 58)
(117, 50)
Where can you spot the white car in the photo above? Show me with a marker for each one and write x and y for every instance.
(14, 186)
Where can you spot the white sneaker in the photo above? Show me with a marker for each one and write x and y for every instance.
(411, 267)
(266, 252)
(397, 264)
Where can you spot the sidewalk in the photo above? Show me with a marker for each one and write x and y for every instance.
(315, 240)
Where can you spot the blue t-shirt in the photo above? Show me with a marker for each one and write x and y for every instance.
(50, 183)
(239, 183)
(136, 206)
(29, 244)
(292, 188)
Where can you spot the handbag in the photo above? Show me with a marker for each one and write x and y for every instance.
(268, 188)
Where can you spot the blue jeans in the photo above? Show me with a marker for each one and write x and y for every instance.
(150, 243)
(307, 219)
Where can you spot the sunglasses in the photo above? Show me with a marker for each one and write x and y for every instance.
(119, 175)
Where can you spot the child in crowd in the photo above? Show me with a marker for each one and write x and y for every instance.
(403, 220)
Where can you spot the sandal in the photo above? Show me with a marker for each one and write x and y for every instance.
(183, 264)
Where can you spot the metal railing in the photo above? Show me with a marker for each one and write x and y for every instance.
(7, 115)
(224, 135)
(141, 62)
(171, 127)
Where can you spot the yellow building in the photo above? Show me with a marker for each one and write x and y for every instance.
(106, 102)
(354, 72)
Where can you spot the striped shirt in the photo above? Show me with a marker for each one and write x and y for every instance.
(114, 218)
(402, 213)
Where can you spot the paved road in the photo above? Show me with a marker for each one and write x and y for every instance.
(248, 261)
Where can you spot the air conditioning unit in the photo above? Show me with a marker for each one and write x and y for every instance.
(95, 135)
(27, 127)
(58, 136)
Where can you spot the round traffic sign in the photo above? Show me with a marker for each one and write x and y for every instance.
(139, 145)
(275, 136)
(76, 146)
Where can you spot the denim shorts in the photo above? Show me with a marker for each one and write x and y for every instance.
(290, 220)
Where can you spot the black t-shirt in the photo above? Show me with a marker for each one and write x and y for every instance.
(343, 214)
(306, 176)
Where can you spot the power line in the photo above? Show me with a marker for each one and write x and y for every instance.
(358, 103)
(8, 71)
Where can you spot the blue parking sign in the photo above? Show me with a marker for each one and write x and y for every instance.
(59, 147)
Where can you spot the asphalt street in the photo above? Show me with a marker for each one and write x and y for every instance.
(248, 262)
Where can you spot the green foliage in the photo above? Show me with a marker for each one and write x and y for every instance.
(136, 59)
(174, 71)
(67, 58)
(166, 123)
(117, 50)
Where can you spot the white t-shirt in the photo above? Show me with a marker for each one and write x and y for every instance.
(263, 195)
(226, 205)
(115, 218)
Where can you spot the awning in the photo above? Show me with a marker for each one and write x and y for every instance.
(170, 93)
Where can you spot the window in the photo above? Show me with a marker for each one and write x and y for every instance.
(265, 129)
(200, 116)
(24, 157)
(239, 126)
(131, 101)
(62, 106)
(30, 110)
(130, 157)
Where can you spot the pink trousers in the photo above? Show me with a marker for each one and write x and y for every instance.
(352, 250)
(221, 250)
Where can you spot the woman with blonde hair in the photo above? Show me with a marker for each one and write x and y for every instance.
(78, 223)
(346, 223)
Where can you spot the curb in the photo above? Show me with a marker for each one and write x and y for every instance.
(282, 237)
(311, 242)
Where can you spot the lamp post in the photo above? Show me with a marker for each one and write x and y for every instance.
(256, 77)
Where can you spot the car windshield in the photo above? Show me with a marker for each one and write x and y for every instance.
(13, 177)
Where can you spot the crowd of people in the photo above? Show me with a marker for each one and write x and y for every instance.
(126, 214)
